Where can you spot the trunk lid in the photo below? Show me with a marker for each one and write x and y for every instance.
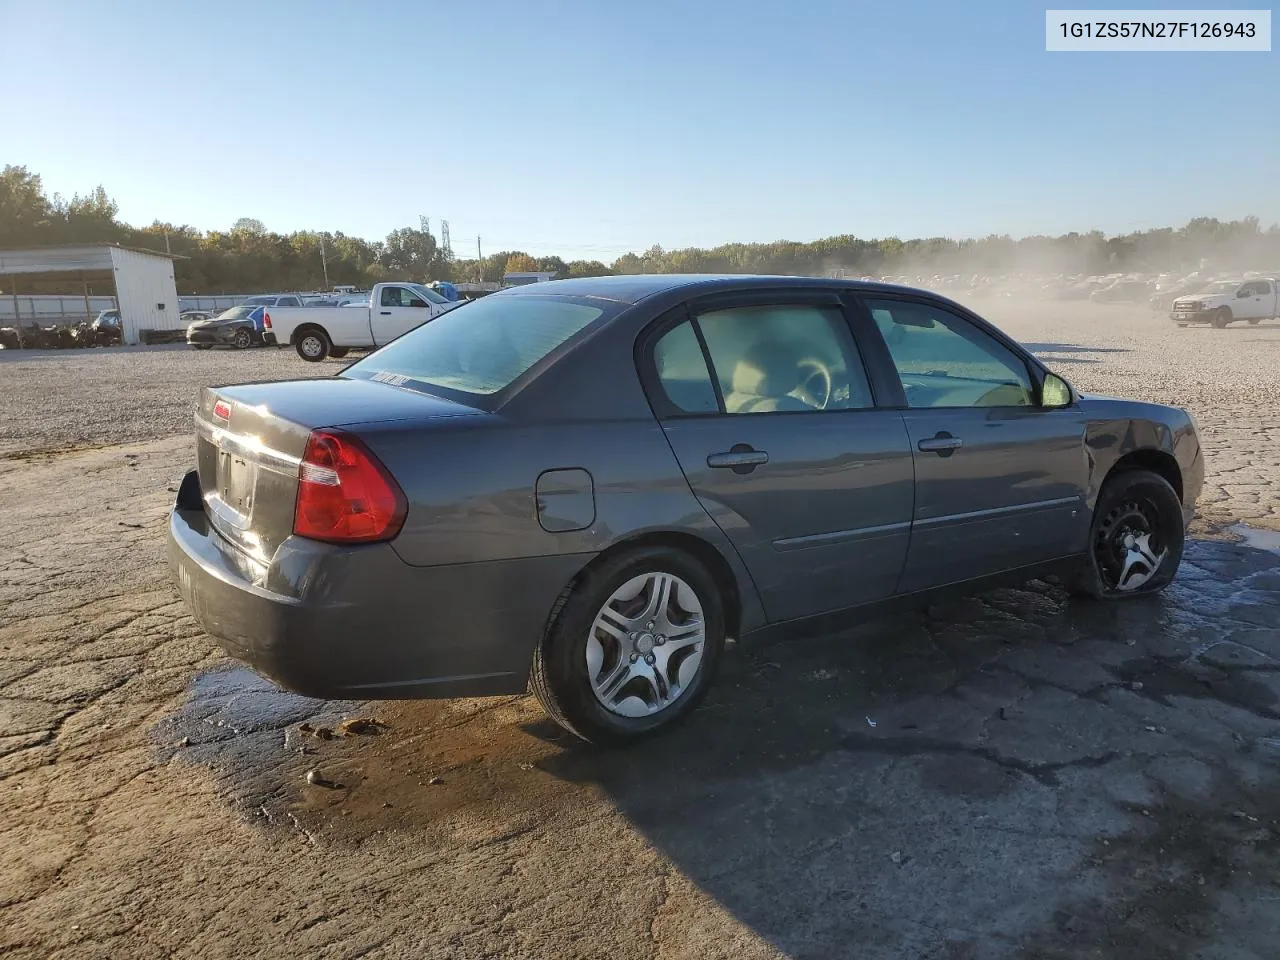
(250, 440)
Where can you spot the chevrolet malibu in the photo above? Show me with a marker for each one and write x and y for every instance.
(585, 486)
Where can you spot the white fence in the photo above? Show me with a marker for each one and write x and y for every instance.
(50, 310)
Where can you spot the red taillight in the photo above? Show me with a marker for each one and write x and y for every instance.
(344, 494)
(266, 320)
(222, 409)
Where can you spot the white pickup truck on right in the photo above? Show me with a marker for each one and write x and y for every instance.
(1223, 301)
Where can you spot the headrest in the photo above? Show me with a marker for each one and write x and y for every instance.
(767, 370)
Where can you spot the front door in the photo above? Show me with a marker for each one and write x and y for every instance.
(768, 409)
(1254, 301)
(398, 310)
(1000, 482)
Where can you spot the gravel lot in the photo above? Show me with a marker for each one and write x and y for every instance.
(1012, 775)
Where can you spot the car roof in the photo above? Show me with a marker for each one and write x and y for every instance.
(631, 289)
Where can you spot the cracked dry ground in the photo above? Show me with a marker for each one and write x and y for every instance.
(1013, 775)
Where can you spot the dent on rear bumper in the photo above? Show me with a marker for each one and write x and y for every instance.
(340, 622)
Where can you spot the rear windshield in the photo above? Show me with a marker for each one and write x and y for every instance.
(481, 347)
(241, 312)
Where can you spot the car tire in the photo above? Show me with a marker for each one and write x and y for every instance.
(1132, 504)
(1182, 324)
(313, 345)
(202, 346)
(1221, 317)
(1254, 321)
(338, 352)
(243, 339)
(564, 679)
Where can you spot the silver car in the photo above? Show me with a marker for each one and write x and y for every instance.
(585, 486)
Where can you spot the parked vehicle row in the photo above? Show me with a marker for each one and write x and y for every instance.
(585, 486)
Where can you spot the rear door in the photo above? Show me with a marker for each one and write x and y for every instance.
(397, 310)
(1000, 482)
(767, 405)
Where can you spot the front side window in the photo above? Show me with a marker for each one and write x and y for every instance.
(480, 348)
(943, 360)
(400, 297)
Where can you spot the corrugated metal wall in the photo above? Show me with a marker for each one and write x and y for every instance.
(147, 293)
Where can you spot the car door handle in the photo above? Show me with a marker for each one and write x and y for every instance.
(385, 313)
(943, 444)
(735, 459)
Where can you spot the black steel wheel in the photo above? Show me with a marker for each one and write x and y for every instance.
(1136, 538)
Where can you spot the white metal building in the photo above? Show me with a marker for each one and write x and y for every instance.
(145, 291)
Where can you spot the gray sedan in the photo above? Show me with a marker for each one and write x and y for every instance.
(585, 486)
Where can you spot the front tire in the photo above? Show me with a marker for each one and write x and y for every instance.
(243, 339)
(314, 345)
(1135, 540)
(632, 647)
(1221, 317)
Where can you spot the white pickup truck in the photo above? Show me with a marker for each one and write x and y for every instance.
(319, 332)
(1226, 300)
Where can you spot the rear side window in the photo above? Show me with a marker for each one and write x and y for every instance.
(793, 357)
(682, 371)
(481, 347)
(765, 359)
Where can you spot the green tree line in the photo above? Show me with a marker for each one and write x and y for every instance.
(247, 257)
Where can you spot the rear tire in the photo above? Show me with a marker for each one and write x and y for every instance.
(1135, 540)
(562, 676)
(338, 352)
(1254, 321)
(313, 345)
(202, 346)
(1221, 317)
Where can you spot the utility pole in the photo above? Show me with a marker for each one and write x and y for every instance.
(479, 259)
(324, 265)
(166, 242)
(446, 245)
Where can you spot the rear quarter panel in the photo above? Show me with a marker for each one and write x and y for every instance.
(471, 486)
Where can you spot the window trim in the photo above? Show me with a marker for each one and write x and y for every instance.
(662, 405)
(1036, 370)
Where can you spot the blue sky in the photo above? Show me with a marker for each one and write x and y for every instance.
(590, 128)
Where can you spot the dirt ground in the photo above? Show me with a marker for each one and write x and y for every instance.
(1012, 775)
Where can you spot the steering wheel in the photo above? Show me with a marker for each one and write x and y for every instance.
(815, 384)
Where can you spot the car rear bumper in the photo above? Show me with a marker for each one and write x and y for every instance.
(358, 622)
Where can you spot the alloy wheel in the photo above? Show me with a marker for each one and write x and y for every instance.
(646, 644)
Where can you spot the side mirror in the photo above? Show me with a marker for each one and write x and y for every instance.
(1055, 393)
